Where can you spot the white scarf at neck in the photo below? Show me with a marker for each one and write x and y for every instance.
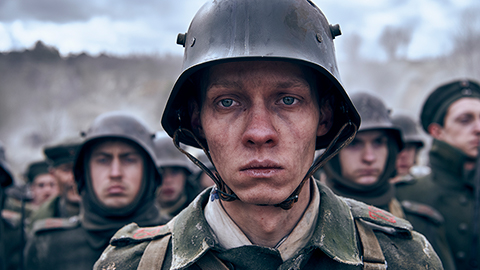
(229, 235)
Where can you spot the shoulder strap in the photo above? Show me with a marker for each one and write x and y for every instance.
(395, 208)
(373, 258)
(154, 254)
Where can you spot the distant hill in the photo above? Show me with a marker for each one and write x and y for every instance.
(45, 97)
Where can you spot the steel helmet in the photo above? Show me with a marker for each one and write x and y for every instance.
(115, 125)
(250, 30)
(375, 115)
(167, 155)
(409, 129)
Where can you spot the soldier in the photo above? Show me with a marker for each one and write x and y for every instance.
(177, 190)
(451, 115)
(25, 200)
(11, 245)
(43, 185)
(60, 157)
(259, 92)
(362, 171)
(116, 177)
(413, 143)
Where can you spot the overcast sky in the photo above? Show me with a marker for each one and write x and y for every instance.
(121, 27)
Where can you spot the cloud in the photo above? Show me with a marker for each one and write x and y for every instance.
(149, 26)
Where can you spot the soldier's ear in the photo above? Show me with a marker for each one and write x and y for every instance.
(325, 122)
(195, 120)
(435, 130)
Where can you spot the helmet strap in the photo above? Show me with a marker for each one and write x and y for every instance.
(328, 154)
(225, 193)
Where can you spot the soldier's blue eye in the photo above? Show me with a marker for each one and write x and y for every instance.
(226, 102)
(288, 100)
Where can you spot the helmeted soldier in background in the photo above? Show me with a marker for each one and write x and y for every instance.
(60, 157)
(413, 143)
(362, 171)
(259, 92)
(117, 178)
(451, 115)
(11, 245)
(177, 189)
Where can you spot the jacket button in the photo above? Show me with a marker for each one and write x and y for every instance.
(460, 255)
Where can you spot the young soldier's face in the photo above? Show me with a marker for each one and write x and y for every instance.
(44, 187)
(173, 186)
(363, 160)
(261, 120)
(406, 159)
(116, 169)
(461, 127)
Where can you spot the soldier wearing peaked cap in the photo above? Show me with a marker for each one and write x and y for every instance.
(43, 185)
(363, 168)
(117, 178)
(451, 115)
(259, 92)
(60, 158)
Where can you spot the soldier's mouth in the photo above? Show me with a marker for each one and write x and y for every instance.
(261, 169)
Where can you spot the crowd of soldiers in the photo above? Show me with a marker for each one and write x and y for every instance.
(89, 187)
(293, 172)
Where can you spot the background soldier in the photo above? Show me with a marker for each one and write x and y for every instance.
(413, 143)
(23, 201)
(259, 92)
(451, 115)
(43, 185)
(177, 189)
(117, 178)
(363, 168)
(11, 245)
(60, 158)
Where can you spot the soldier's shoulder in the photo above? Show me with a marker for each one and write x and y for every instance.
(423, 210)
(128, 245)
(379, 219)
(400, 245)
(55, 224)
(405, 180)
(132, 234)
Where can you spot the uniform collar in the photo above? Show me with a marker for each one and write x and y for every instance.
(448, 160)
(192, 236)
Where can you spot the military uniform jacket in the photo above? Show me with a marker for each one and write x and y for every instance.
(334, 245)
(60, 243)
(448, 189)
(54, 208)
(11, 241)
